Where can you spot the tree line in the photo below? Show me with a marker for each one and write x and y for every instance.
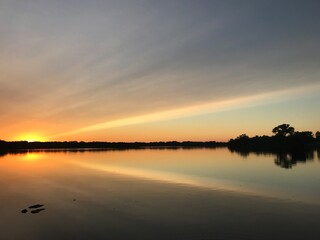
(4, 145)
(285, 137)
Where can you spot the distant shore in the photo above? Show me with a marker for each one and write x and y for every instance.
(24, 145)
(285, 139)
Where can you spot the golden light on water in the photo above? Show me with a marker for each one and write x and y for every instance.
(31, 157)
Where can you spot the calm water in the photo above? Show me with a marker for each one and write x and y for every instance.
(158, 194)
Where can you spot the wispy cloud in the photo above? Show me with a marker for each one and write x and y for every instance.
(207, 108)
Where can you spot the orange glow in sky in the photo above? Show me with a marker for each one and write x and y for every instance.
(175, 116)
(31, 137)
(192, 71)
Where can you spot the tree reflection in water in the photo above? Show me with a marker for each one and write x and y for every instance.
(283, 159)
(290, 159)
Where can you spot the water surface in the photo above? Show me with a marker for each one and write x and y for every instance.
(158, 194)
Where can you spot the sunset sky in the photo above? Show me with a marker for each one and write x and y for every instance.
(150, 70)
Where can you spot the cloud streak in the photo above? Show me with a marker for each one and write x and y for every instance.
(207, 108)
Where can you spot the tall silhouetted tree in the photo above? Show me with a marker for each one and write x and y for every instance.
(283, 130)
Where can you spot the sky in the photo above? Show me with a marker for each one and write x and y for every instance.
(147, 70)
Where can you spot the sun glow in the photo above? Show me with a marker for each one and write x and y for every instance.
(32, 137)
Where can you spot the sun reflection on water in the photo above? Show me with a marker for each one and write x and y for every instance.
(31, 157)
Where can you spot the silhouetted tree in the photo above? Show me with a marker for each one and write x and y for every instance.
(318, 135)
(243, 136)
(304, 134)
(283, 130)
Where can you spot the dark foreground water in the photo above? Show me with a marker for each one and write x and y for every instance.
(158, 194)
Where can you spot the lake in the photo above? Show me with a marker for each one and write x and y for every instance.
(159, 194)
